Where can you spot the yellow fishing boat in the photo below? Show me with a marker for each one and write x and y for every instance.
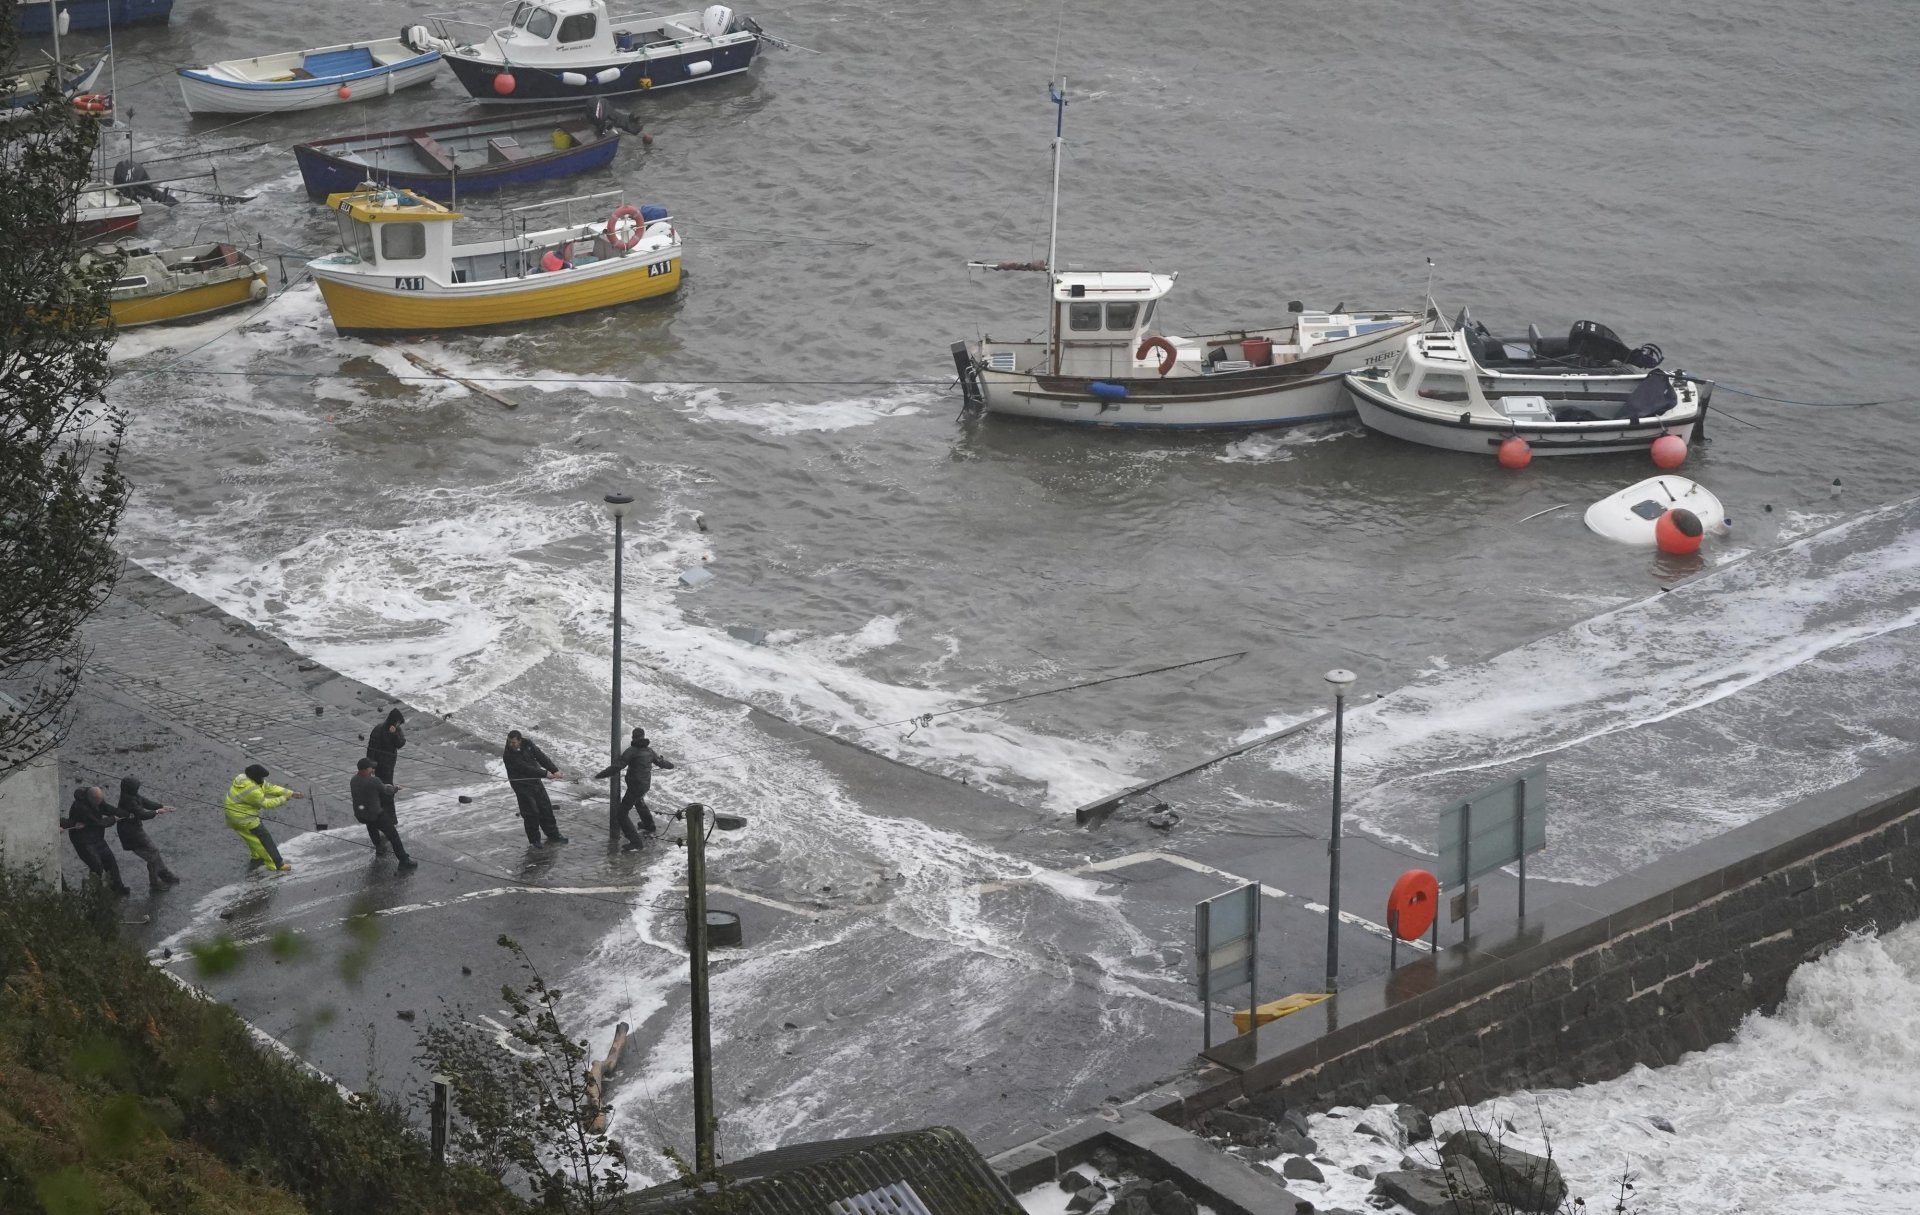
(399, 270)
(178, 284)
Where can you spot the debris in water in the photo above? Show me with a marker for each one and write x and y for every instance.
(694, 576)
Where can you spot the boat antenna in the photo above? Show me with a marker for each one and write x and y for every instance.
(1059, 97)
(1430, 303)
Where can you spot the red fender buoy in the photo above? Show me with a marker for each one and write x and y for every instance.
(1669, 452)
(551, 261)
(1168, 355)
(345, 92)
(1412, 905)
(636, 224)
(1515, 452)
(1679, 532)
(504, 84)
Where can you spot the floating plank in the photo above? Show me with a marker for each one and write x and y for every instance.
(1095, 811)
(469, 385)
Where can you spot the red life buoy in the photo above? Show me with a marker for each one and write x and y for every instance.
(1413, 904)
(1168, 355)
(92, 103)
(635, 224)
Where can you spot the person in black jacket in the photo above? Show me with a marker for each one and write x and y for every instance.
(383, 747)
(528, 770)
(639, 760)
(373, 805)
(136, 810)
(86, 823)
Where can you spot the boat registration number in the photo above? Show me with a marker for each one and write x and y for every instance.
(410, 284)
(659, 268)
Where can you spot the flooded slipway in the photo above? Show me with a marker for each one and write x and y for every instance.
(1736, 182)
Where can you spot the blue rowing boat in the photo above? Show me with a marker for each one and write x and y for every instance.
(452, 160)
(36, 16)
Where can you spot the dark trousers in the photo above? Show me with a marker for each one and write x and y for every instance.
(536, 811)
(98, 858)
(384, 832)
(158, 874)
(635, 799)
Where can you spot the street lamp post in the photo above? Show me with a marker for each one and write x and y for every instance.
(705, 1123)
(1341, 680)
(617, 505)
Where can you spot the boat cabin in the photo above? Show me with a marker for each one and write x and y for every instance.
(537, 29)
(395, 232)
(1099, 317)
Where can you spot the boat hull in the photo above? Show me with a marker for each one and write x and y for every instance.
(325, 171)
(35, 17)
(1311, 389)
(188, 304)
(476, 74)
(1482, 436)
(368, 304)
(208, 94)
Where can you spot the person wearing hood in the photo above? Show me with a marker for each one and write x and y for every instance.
(248, 798)
(372, 805)
(639, 759)
(86, 823)
(528, 770)
(383, 747)
(136, 811)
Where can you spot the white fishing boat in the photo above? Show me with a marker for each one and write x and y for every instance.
(305, 80)
(1105, 363)
(399, 270)
(1465, 390)
(1632, 515)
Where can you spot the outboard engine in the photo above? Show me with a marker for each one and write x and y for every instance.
(419, 39)
(129, 175)
(715, 20)
(1595, 344)
(1648, 356)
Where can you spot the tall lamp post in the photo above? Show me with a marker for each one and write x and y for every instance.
(705, 1124)
(617, 505)
(1341, 680)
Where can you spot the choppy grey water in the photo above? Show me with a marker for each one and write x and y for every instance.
(1736, 182)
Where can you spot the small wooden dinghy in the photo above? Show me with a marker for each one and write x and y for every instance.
(179, 284)
(302, 80)
(1630, 515)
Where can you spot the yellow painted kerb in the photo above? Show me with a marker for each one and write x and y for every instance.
(371, 206)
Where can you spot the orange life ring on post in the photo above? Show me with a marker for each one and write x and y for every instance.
(92, 103)
(1168, 355)
(1414, 903)
(635, 225)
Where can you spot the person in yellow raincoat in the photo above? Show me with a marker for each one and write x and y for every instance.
(247, 798)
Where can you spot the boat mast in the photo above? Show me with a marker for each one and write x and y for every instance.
(1059, 98)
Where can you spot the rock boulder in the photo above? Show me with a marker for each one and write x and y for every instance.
(1515, 1178)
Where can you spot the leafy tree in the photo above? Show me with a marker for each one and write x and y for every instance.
(527, 1109)
(61, 488)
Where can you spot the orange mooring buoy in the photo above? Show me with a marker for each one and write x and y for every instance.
(1413, 904)
(1669, 452)
(1679, 532)
(1515, 452)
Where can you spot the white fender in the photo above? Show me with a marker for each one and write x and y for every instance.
(699, 67)
(576, 79)
(606, 75)
(257, 289)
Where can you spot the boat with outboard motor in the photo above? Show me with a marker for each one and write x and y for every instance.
(399, 270)
(1588, 393)
(305, 80)
(467, 158)
(1104, 363)
(156, 285)
(565, 50)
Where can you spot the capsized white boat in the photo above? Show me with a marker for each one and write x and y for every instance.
(1630, 515)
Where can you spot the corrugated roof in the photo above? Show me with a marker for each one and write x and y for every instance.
(873, 1175)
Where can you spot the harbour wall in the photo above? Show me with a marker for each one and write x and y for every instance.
(1665, 960)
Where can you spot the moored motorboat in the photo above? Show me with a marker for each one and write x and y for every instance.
(564, 50)
(158, 285)
(1465, 390)
(100, 211)
(464, 158)
(36, 17)
(304, 80)
(399, 270)
(1105, 363)
(20, 89)
(1632, 515)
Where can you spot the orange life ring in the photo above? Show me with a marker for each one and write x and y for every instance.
(1168, 355)
(1413, 904)
(92, 103)
(637, 221)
